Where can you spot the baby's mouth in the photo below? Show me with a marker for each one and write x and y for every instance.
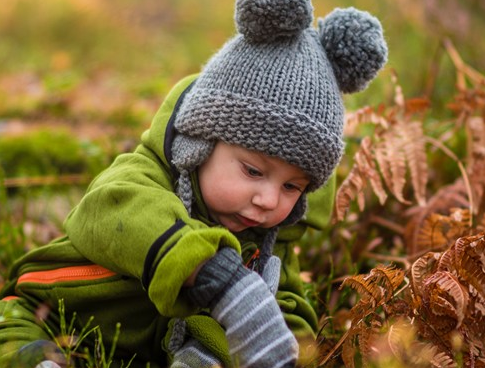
(247, 221)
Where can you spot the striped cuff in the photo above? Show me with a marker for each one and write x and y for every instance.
(221, 272)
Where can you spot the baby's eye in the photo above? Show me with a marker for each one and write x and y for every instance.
(292, 187)
(252, 171)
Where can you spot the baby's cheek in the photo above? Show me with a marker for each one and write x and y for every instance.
(280, 215)
(226, 200)
(288, 207)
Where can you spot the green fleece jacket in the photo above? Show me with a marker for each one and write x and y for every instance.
(133, 230)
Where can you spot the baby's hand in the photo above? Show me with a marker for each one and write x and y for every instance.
(271, 274)
(241, 301)
(194, 355)
(47, 364)
(39, 354)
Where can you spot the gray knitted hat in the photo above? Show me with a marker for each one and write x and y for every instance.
(276, 88)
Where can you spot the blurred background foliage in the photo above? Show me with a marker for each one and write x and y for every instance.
(114, 61)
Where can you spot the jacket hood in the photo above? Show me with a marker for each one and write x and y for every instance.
(158, 138)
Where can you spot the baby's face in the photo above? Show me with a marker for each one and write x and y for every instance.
(243, 188)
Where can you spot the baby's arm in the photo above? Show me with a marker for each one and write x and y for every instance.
(130, 221)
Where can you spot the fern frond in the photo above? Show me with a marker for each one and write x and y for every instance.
(470, 258)
(365, 286)
(401, 341)
(368, 168)
(366, 339)
(447, 260)
(349, 348)
(443, 360)
(451, 196)
(392, 164)
(415, 152)
(447, 296)
(438, 232)
(420, 269)
(390, 276)
(381, 156)
(366, 114)
(398, 337)
(420, 354)
(432, 236)
(352, 187)
(364, 170)
(476, 166)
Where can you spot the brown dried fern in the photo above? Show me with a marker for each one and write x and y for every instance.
(389, 277)
(446, 296)
(439, 232)
(414, 150)
(399, 344)
(366, 286)
(470, 261)
(446, 304)
(420, 269)
(442, 360)
(391, 159)
(448, 299)
(397, 146)
(427, 231)
(375, 289)
(363, 170)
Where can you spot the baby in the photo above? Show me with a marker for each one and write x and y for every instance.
(188, 241)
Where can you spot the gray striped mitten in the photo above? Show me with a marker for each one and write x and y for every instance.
(39, 354)
(243, 304)
(47, 364)
(271, 274)
(194, 355)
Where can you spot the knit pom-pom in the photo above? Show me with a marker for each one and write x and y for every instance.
(355, 45)
(266, 20)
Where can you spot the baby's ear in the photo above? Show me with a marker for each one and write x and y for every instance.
(355, 46)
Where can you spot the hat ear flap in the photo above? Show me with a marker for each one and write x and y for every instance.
(355, 46)
(187, 154)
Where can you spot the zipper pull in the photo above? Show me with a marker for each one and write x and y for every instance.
(253, 262)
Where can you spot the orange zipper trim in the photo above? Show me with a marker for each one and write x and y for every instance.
(11, 297)
(252, 263)
(74, 273)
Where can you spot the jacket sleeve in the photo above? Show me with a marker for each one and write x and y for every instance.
(131, 221)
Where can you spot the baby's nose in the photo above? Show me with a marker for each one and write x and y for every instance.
(267, 198)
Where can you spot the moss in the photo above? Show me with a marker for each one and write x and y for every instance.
(47, 152)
